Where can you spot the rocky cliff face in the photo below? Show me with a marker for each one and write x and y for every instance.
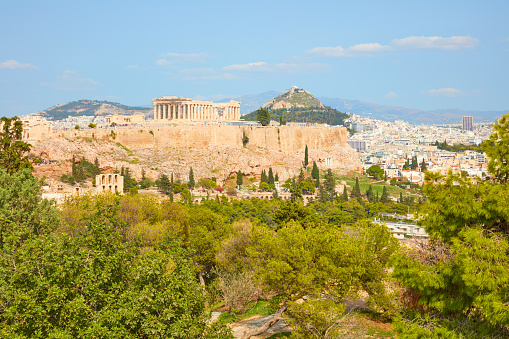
(212, 151)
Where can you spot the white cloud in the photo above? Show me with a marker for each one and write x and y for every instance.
(505, 40)
(370, 48)
(356, 50)
(391, 95)
(171, 59)
(436, 42)
(263, 67)
(13, 64)
(446, 92)
(132, 66)
(72, 81)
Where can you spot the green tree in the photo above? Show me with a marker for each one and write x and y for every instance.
(306, 159)
(270, 178)
(263, 116)
(406, 166)
(92, 282)
(285, 262)
(423, 166)
(414, 164)
(460, 279)
(245, 139)
(164, 184)
(344, 195)
(369, 194)
(330, 184)
(385, 196)
(375, 171)
(191, 183)
(497, 149)
(356, 191)
(97, 168)
(240, 180)
(13, 151)
(315, 172)
(263, 177)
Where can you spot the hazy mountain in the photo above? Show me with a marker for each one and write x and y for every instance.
(92, 107)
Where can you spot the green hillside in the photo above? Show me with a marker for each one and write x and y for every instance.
(325, 115)
(91, 107)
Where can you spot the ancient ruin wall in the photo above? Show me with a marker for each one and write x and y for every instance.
(287, 139)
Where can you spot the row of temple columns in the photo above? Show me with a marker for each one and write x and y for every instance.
(195, 112)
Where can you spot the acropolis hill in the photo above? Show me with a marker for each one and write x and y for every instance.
(212, 150)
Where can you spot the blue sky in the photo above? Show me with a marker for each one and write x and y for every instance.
(419, 54)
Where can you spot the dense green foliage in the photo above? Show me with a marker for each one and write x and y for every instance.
(375, 171)
(319, 115)
(262, 115)
(458, 285)
(457, 147)
(497, 149)
(13, 151)
(108, 270)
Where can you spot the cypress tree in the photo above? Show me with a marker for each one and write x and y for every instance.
(385, 196)
(344, 195)
(306, 159)
(330, 183)
(271, 177)
(356, 192)
(315, 172)
(369, 194)
(423, 166)
(276, 178)
(301, 176)
(263, 177)
(240, 180)
(191, 182)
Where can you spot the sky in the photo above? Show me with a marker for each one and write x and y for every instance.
(418, 54)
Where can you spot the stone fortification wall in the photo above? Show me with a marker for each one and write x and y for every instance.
(286, 139)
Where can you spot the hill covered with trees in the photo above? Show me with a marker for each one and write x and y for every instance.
(298, 105)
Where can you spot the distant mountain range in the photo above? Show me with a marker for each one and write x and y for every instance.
(252, 102)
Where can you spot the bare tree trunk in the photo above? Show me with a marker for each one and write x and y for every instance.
(259, 330)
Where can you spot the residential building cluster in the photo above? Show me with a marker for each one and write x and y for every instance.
(391, 144)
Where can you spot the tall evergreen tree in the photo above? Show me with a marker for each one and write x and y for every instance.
(344, 195)
(415, 164)
(276, 178)
(423, 166)
(191, 182)
(315, 172)
(385, 196)
(270, 179)
(406, 166)
(240, 180)
(301, 176)
(369, 194)
(263, 177)
(306, 157)
(96, 169)
(330, 183)
(356, 192)
(171, 178)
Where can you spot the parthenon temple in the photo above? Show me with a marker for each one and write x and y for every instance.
(182, 109)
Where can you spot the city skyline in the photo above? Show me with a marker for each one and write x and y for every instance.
(425, 56)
